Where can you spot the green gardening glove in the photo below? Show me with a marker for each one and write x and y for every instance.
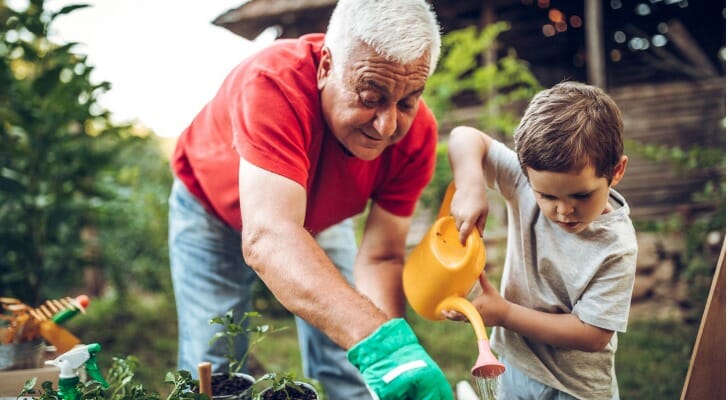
(396, 367)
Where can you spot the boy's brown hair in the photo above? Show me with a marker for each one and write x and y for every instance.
(568, 127)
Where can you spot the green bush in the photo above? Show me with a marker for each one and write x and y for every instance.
(75, 188)
(500, 87)
(53, 146)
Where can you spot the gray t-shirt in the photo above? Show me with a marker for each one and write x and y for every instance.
(589, 274)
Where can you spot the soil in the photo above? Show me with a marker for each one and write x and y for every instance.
(305, 394)
(226, 385)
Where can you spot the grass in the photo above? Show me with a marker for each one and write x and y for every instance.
(143, 326)
(652, 359)
(651, 362)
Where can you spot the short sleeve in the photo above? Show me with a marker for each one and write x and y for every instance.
(267, 131)
(606, 301)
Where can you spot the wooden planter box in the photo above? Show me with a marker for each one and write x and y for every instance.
(11, 382)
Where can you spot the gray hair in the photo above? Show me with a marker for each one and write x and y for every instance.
(399, 30)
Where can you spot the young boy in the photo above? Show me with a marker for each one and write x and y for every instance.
(571, 253)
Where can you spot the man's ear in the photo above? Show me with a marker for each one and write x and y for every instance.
(324, 68)
(619, 170)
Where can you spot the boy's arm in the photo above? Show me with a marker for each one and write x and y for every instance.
(560, 330)
(467, 150)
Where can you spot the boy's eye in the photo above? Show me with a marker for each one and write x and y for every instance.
(547, 196)
(582, 196)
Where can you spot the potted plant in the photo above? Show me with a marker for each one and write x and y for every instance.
(231, 385)
(236, 384)
(285, 387)
(121, 386)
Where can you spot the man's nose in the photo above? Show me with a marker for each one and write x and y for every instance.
(385, 121)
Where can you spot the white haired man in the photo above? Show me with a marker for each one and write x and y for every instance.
(300, 137)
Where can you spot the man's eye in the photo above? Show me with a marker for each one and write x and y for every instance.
(370, 100)
(407, 105)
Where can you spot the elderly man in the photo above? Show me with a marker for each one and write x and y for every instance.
(300, 137)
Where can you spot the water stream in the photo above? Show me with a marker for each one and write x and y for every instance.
(487, 387)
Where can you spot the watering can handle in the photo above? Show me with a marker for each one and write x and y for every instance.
(446, 201)
(463, 306)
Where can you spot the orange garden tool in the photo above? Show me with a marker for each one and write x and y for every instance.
(27, 323)
(50, 323)
(440, 272)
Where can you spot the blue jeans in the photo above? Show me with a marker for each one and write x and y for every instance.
(515, 385)
(210, 277)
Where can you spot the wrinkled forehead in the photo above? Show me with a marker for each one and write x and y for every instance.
(365, 66)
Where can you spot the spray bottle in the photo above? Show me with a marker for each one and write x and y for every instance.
(69, 362)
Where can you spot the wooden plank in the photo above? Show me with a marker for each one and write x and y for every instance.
(688, 46)
(706, 373)
(668, 89)
(594, 21)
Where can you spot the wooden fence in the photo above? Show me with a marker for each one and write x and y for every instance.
(680, 114)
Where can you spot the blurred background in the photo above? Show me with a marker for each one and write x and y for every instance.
(93, 96)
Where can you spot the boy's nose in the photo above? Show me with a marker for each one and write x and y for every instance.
(564, 208)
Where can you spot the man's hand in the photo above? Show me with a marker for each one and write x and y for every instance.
(396, 367)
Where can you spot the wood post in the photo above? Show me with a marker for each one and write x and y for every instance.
(593, 27)
(706, 373)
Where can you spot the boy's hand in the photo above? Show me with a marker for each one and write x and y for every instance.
(469, 207)
(395, 366)
(490, 305)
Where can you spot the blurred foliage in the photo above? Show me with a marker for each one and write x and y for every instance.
(697, 264)
(501, 88)
(434, 192)
(132, 224)
(69, 177)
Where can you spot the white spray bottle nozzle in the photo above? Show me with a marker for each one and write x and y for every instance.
(69, 361)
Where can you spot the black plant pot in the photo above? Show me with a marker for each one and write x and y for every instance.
(235, 386)
(306, 392)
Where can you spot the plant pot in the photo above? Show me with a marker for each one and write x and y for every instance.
(232, 386)
(24, 355)
(306, 392)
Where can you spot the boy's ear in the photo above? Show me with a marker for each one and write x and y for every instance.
(619, 170)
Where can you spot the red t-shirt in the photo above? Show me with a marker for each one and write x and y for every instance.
(268, 111)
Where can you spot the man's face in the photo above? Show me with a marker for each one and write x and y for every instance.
(371, 103)
(572, 200)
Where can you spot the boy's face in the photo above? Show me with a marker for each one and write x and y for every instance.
(574, 199)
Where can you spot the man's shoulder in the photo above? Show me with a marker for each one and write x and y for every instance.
(286, 60)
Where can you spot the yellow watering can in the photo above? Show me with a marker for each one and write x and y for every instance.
(440, 272)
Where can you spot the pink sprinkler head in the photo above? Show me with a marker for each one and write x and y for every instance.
(486, 366)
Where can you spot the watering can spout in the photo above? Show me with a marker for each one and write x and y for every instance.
(486, 366)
